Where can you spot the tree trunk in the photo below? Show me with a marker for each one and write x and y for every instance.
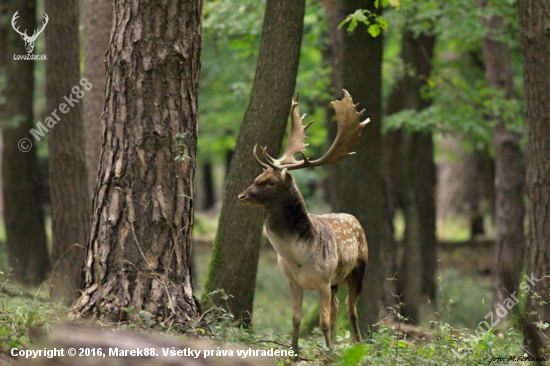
(208, 186)
(534, 20)
(235, 252)
(334, 10)
(96, 26)
(419, 263)
(70, 198)
(465, 182)
(410, 172)
(361, 189)
(94, 339)
(24, 218)
(139, 251)
(509, 170)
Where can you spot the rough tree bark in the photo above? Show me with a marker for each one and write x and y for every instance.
(234, 261)
(361, 188)
(509, 170)
(96, 27)
(139, 249)
(24, 218)
(534, 21)
(70, 198)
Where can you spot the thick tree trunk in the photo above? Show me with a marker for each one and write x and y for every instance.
(70, 198)
(139, 251)
(534, 20)
(24, 218)
(509, 170)
(234, 261)
(361, 188)
(96, 27)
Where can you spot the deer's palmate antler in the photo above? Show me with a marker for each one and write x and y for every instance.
(315, 252)
(347, 136)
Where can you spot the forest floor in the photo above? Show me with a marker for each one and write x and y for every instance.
(445, 336)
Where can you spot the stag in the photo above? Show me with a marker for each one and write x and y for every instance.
(314, 252)
(29, 41)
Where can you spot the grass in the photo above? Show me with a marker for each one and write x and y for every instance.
(446, 337)
(463, 300)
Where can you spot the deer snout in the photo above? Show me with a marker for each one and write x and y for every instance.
(246, 198)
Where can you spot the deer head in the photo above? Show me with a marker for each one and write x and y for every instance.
(29, 41)
(269, 186)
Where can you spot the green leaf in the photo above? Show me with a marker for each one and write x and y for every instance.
(374, 30)
(383, 23)
(352, 25)
(354, 354)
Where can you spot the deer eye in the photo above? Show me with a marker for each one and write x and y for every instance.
(271, 184)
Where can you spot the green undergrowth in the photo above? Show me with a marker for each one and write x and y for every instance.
(25, 314)
(441, 346)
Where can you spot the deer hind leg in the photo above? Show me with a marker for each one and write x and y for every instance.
(297, 295)
(355, 285)
(333, 310)
(325, 313)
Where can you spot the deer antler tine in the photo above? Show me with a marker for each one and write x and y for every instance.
(269, 160)
(263, 165)
(296, 136)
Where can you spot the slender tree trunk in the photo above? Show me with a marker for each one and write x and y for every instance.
(419, 263)
(334, 10)
(361, 188)
(208, 185)
(509, 170)
(410, 170)
(24, 218)
(234, 261)
(96, 27)
(70, 198)
(534, 21)
(139, 251)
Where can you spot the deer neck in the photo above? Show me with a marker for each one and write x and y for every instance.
(288, 216)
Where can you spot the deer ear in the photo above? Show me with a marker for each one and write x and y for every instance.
(286, 178)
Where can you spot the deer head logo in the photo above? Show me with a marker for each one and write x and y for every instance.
(29, 41)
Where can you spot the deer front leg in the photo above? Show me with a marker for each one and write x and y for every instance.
(297, 295)
(324, 313)
(333, 311)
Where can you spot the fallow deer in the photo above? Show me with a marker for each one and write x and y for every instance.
(315, 252)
